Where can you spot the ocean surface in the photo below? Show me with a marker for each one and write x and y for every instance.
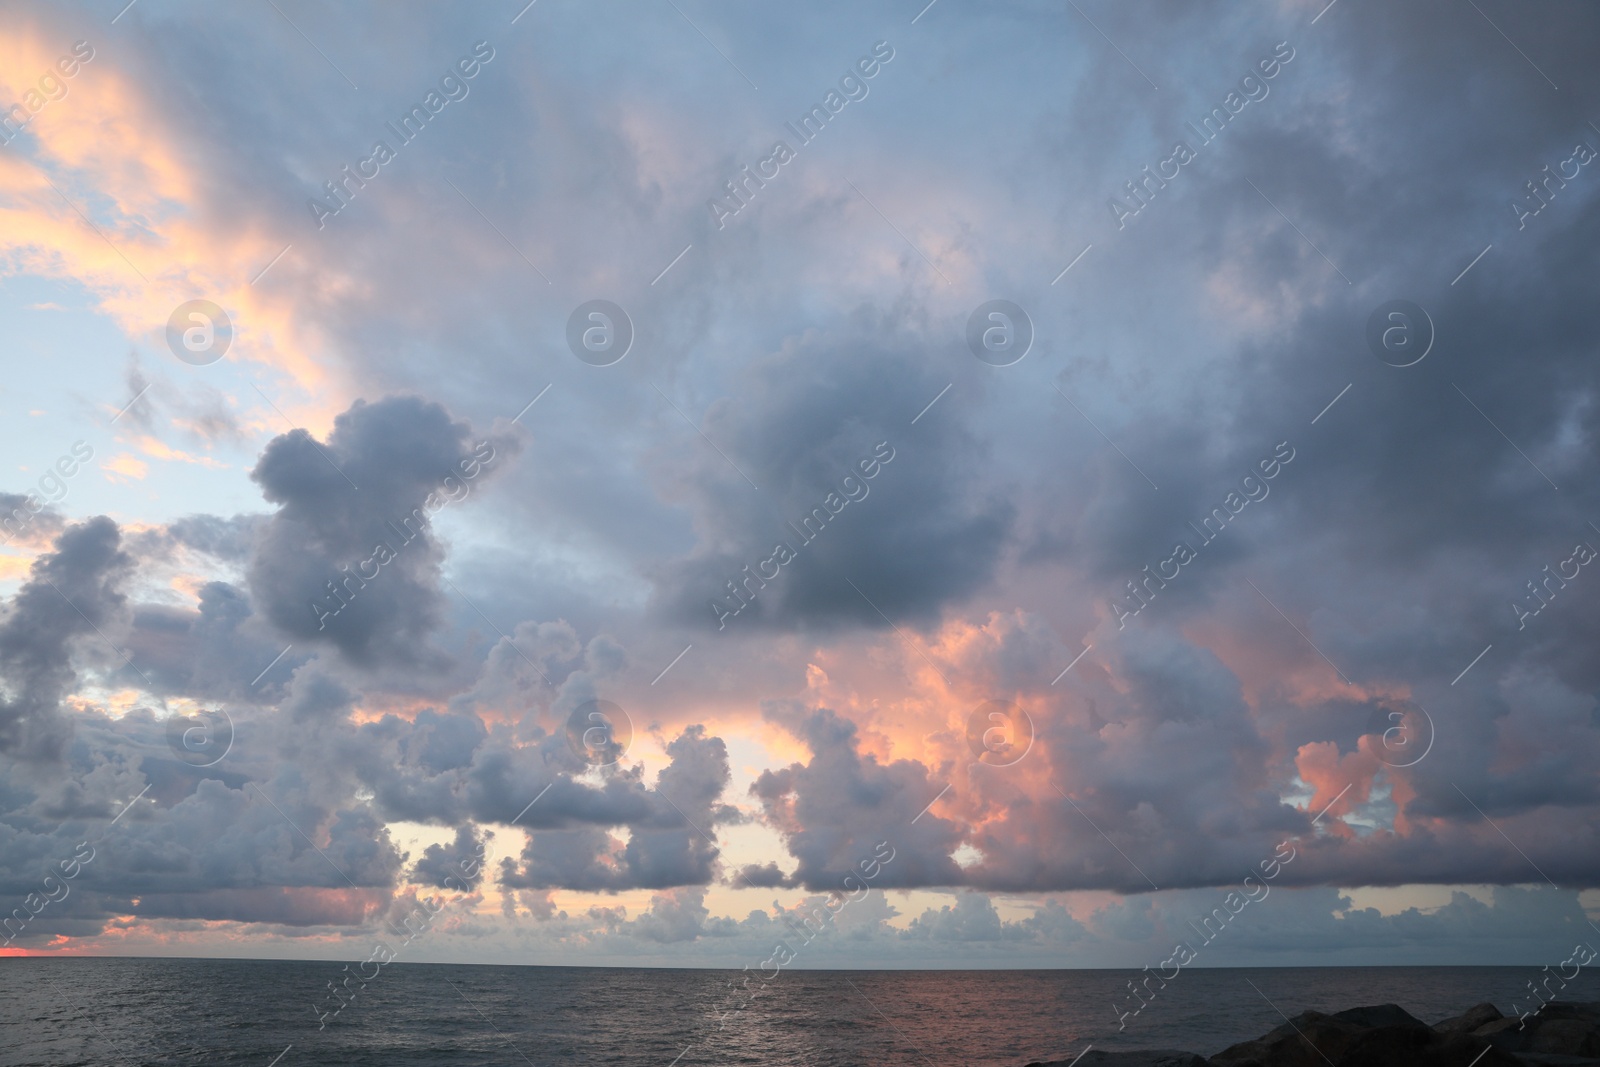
(60, 1011)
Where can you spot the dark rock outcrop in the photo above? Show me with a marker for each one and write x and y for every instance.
(1386, 1035)
(1379, 1015)
(1476, 1016)
(1559, 1029)
(1151, 1058)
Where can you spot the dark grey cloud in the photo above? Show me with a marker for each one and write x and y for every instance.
(1408, 524)
(459, 865)
(916, 527)
(71, 593)
(350, 559)
(28, 518)
(669, 842)
(217, 651)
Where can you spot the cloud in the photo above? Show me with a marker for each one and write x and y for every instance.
(679, 915)
(1247, 704)
(920, 533)
(28, 519)
(216, 651)
(124, 467)
(350, 559)
(668, 843)
(833, 810)
(71, 593)
(972, 919)
(461, 862)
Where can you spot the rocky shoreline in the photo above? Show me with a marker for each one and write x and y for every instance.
(1560, 1035)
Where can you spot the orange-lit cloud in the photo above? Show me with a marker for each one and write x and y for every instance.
(103, 190)
(157, 449)
(125, 467)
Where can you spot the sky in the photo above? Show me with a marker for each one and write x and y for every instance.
(926, 486)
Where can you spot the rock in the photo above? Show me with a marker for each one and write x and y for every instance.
(1304, 1040)
(1568, 1009)
(1566, 1037)
(1410, 1047)
(1137, 1058)
(1381, 1015)
(1476, 1016)
(1561, 1028)
(1382, 1036)
(1507, 1032)
(1386, 1035)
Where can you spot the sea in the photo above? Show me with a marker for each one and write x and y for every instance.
(133, 1011)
